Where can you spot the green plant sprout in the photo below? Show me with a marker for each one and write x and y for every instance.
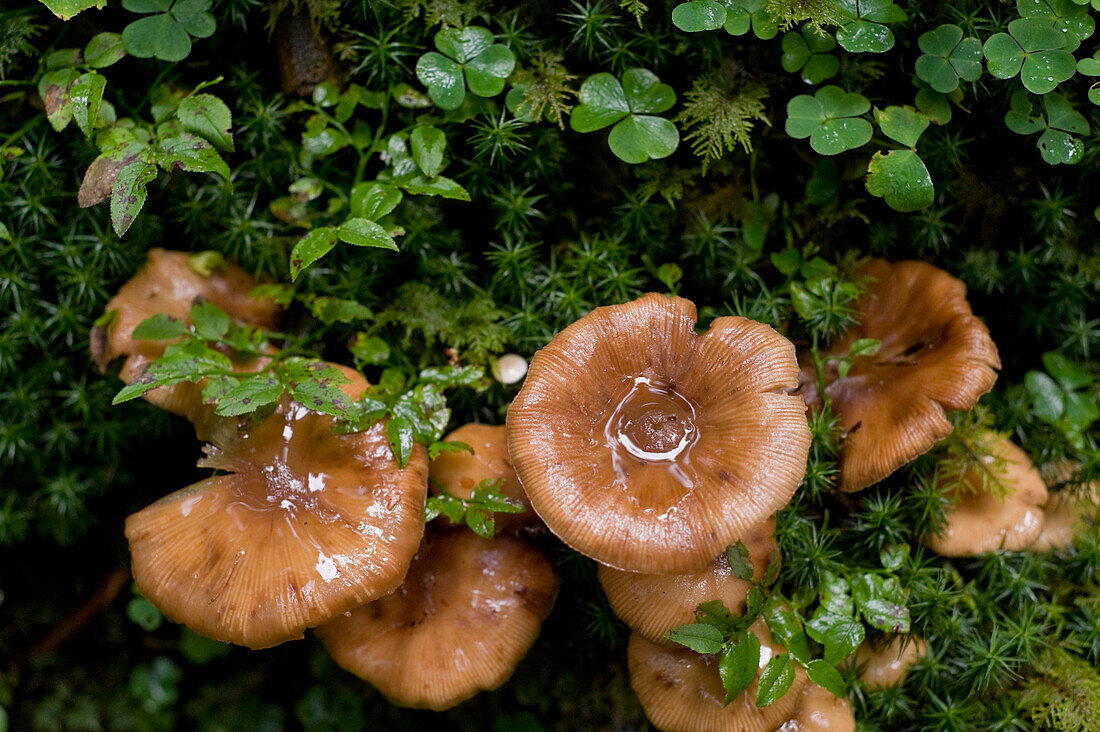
(477, 510)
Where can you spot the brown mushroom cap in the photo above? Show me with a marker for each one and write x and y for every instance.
(650, 448)
(653, 604)
(887, 664)
(1064, 511)
(982, 521)
(935, 355)
(467, 613)
(307, 524)
(168, 284)
(820, 711)
(681, 690)
(459, 473)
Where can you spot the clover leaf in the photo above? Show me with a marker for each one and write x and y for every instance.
(1034, 50)
(948, 57)
(830, 118)
(66, 9)
(903, 124)
(1059, 122)
(741, 15)
(1071, 21)
(1091, 67)
(808, 51)
(638, 135)
(900, 177)
(167, 33)
(699, 15)
(863, 28)
(467, 59)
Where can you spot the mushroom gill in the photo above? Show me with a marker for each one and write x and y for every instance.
(935, 355)
(651, 448)
(304, 525)
(466, 614)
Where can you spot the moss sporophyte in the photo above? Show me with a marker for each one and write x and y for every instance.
(737, 319)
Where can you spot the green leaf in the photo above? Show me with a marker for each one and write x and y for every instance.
(903, 124)
(1062, 116)
(639, 138)
(54, 87)
(786, 626)
(1068, 374)
(825, 674)
(316, 386)
(645, 94)
(699, 15)
(428, 144)
(208, 117)
(159, 327)
(144, 614)
(147, 6)
(935, 105)
(128, 193)
(699, 637)
(1057, 147)
(739, 664)
(602, 103)
(364, 233)
(336, 310)
(310, 248)
(437, 186)
(86, 94)
(103, 50)
(1022, 117)
(190, 153)
(374, 200)
(444, 80)
(249, 395)
(865, 347)
(1048, 399)
(1004, 56)
(488, 71)
(463, 44)
(193, 16)
(829, 119)
(738, 557)
(775, 680)
(399, 433)
(211, 323)
(902, 178)
(841, 639)
(66, 9)
(157, 36)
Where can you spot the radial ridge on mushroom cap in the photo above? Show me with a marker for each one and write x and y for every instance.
(681, 690)
(650, 448)
(168, 284)
(653, 604)
(984, 520)
(467, 613)
(459, 473)
(935, 355)
(307, 524)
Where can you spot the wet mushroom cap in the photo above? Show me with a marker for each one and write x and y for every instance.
(650, 448)
(820, 711)
(680, 690)
(887, 664)
(983, 521)
(307, 524)
(1064, 511)
(653, 604)
(466, 615)
(459, 473)
(167, 283)
(935, 356)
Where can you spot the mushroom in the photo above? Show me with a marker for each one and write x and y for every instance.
(467, 613)
(982, 520)
(681, 690)
(459, 473)
(169, 282)
(935, 355)
(1063, 514)
(820, 711)
(651, 448)
(653, 604)
(303, 525)
(886, 664)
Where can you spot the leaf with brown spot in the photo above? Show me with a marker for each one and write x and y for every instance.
(100, 177)
(128, 194)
